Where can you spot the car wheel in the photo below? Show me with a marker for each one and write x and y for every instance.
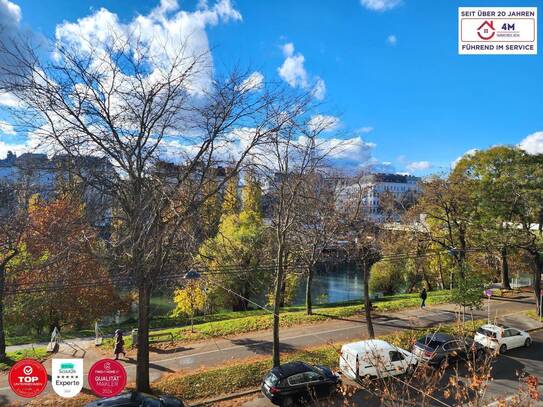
(528, 342)
(503, 348)
(479, 355)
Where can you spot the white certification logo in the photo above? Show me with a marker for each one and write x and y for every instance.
(497, 30)
(67, 377)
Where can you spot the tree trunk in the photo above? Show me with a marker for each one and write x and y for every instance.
(142, 367)
(276, 305)
(538, 269)
(440, 268)
(426, 279)
(309, 283)
(505, 269)
(367, 302)
(2, 335)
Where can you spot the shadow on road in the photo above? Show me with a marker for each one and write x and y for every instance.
(261, 347)
(152, 366)
(161, 351)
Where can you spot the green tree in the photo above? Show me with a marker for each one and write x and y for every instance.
(239, 244)
(507, 184)
(496, 192)
(230, 203)
(447, 207)
(388, 276)
(468, 290)
(210, 212)
(252, 195)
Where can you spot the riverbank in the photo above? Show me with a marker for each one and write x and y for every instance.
(258, 320)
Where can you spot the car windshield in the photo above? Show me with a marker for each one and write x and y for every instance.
(318, 370)
(429, 343)
(486, 332)
(271, 379)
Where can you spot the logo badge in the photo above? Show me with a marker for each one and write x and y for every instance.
(67, 377)
(486, 30)
(107, 378)
(27, 378)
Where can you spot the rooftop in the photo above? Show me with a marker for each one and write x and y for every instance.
(370, 345)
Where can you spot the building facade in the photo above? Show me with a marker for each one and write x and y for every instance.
(28, 174)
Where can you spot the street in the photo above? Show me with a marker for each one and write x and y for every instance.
(504, 381)
(213, 353)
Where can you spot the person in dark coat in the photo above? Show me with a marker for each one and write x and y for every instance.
(423, 296)
(119, 344)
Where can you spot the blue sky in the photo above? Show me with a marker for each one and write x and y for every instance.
(391, 70)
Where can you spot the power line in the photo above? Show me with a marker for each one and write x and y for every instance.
(232, 270)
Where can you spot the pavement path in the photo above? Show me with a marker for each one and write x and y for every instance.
(216, 352)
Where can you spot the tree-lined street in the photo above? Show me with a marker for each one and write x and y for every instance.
(219, 219)
(199, 355)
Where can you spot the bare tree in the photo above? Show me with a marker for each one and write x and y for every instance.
(120, 101)
(316, 225)
(291, 154)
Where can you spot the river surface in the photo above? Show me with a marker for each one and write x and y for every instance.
(328, 287)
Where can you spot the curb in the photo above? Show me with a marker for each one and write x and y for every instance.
(210, 402)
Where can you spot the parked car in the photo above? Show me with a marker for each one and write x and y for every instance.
(135, 399)
(291, 382)
(502, 338)
(439, 348)
(375, 358)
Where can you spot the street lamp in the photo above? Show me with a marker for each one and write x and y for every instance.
(192, 274)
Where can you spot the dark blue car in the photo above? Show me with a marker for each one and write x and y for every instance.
(135, 399)
(297, 381)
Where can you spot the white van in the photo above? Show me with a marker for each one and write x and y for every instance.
(375, 358)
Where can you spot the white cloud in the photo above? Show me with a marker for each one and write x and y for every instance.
(392, 40)
(255, 81)
(419, 166)
(351, 154)
(10, 13)
(6, 128)
(8, 99)
(380, 5)
(533, 144)
(159, 35)
(293, 72)
(288, 49)
(365, 130)
(467, 153)
(319, 90)
(321, 122)
(14, 148)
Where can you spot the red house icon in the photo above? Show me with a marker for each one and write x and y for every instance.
(486, 30)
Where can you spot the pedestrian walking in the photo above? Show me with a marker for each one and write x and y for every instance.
(119, 344)
(423, 296)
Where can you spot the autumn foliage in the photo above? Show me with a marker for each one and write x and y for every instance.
(57, 257)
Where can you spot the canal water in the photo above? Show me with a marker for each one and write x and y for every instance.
(336, 286)
(333, 286)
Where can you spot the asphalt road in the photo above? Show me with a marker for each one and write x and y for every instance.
(504, 382)
(216, 352)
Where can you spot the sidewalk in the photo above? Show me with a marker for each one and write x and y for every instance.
(215, 352)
